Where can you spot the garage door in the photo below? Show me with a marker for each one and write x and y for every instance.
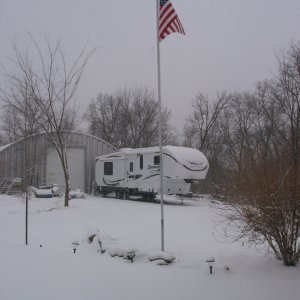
(54, 170)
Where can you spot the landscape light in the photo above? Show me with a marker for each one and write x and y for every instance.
(75, 245)
(210, 262)
(130, 255)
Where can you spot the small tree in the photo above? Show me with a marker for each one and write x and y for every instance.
(50, 86)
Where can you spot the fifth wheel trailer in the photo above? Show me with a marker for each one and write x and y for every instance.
(136, 172)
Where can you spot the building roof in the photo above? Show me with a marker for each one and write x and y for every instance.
(44, 133)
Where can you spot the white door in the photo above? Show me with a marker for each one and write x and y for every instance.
(54, 170)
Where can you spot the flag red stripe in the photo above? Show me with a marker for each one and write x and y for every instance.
(167, 17)
(173, 24)
(168, 21)
(164, 9)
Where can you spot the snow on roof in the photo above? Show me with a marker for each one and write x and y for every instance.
(184, 155)
(44, 133)
(5, 146)
(139, 150)
(125, 151)
(187, 155)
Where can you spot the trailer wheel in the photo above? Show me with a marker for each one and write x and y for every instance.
(125, 194)
(151, 196)
(97, 191)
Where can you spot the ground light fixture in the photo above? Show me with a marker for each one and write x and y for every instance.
(210, 262)
(75, 245)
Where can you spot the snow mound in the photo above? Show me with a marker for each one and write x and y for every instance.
(77, 194)
(162, 257)
(116, 251)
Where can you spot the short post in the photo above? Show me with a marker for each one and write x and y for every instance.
(26, 217)
(75, 245)
(210, 262)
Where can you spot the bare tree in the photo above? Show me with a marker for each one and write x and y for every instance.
(50, 86)
(143, 115)
(169, 133)
(264, 152)
(202, 131)
(1, 139)
(129, 118)
(200, 126)
(20, 113)
(288, 98)
(269, 124)
(238, 131)
(107, 119)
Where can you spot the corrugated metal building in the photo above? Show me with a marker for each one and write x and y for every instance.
(37, 157)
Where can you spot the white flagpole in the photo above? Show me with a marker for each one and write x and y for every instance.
(160, 133)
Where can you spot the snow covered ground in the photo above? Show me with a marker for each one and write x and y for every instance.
(48, 269)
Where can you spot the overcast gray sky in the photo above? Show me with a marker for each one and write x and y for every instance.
(229, 44)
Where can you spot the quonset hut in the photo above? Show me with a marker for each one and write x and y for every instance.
(36, 157)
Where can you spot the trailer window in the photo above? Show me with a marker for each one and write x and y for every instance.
(108, 168)
(157, 160)
(141, 162)
(131, 167)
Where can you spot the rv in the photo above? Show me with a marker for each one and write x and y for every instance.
(136, 172)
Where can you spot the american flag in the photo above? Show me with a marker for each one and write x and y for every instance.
(168, 20)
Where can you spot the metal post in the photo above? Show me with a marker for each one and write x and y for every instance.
(160, 133)
(26, 217)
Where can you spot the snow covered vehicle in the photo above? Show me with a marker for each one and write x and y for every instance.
(136, 172)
